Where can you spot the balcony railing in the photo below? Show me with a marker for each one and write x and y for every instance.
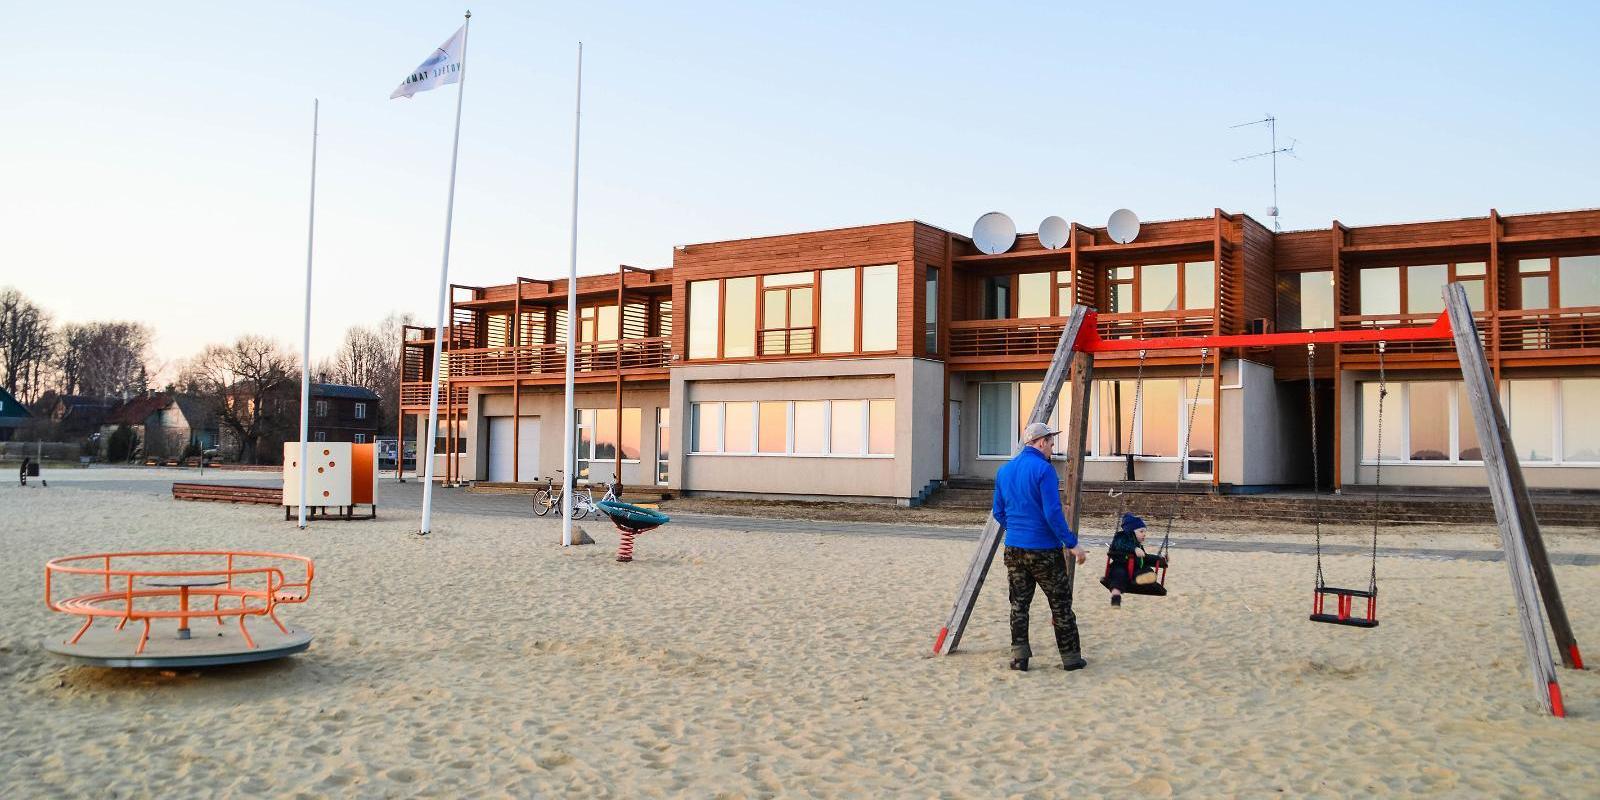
(551, 359)
(1426, 347)
(414, 394)
(1550, 329)
(1032, 338)
(788, 341)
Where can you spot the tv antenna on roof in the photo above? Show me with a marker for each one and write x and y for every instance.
(1272, 131)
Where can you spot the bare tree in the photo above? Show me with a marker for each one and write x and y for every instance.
(250, 387)
(27, 341)
(370, 357)
(105, 359)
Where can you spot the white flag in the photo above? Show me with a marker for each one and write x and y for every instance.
(441, 68)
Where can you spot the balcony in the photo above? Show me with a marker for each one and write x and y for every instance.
(414, 394)
(1550, 331)
(1432, 349)
(550, 360)
(1025, 341)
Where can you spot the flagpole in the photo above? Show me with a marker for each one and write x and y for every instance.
(305, 349)
(572, 320)
(439, 329)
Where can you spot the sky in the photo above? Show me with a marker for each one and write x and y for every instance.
(155, 158)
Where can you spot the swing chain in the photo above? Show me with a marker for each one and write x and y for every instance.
(1183, 454)
(1377, 478)
(1316, 459)
(1138, 390)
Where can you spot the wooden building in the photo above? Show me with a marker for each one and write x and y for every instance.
(879, 361)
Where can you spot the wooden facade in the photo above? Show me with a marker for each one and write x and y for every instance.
(1248, 267)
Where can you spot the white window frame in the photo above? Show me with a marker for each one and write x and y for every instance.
(322, 408)
(663, 423)
(361, 411)
(578, 426)
(789, 418)
(1460, 416)
(359, 438)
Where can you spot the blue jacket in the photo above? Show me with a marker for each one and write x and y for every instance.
(1027, 503)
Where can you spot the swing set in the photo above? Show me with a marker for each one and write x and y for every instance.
(1531, 576)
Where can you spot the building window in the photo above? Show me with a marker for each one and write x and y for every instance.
(739, 318)
(1003, 409)
(1305, 300)
(322, 408)
(1033, 295)
(930, 310)
(704, 322)
(838, 310)
(663, 444)
(1551, 421)
(1418, 288)
(834, 428)
(441, 443)
(598, 438)
(786, 318)
(880, 301)
(1559, 282)
(361, 410)
(1154, 288)
(1064, 301)
(1165, 410)
(997, 297)
(360, 438)
(320, 436)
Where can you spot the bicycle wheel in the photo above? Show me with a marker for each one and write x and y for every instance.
(542, 502)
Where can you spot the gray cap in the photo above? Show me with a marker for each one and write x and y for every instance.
(1036, 431)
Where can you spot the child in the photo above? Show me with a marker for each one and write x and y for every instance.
(1129, 564)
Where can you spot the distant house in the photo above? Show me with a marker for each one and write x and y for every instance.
(77, 415)
(164, 425)
(343, 413)
(13, 415)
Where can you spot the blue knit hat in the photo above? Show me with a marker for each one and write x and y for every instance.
(1131, 522)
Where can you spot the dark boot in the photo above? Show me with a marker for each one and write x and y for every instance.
(1116, 601)
(1019, 664)
(1073, 661)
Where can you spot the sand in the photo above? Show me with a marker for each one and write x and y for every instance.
(488, 661)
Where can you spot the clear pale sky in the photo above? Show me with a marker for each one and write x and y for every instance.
(155, 158)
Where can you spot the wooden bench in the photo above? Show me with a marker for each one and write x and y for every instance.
(224, 493)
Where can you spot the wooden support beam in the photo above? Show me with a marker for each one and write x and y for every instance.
(1513, 509)
(989, 541)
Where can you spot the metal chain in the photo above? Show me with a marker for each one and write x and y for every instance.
(1377, 482)
(1138, 391)
(1316, 458)
(1183, 453)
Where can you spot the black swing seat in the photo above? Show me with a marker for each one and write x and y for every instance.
(1344, 615)
(1156, 589)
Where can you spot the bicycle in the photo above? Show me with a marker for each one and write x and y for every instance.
(583, 503)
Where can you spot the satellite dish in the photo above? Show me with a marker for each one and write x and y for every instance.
(1053, 233)
(994, 233)
(1123, 227)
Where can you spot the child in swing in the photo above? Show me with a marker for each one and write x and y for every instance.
(1129, 564)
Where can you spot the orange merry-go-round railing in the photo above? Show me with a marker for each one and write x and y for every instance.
(142, 587)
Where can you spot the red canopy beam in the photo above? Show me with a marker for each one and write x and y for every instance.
(1089, 340)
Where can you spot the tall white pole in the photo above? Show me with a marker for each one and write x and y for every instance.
(439, 329)
(305, 349)
(568, 457)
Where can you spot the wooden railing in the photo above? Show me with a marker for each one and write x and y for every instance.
(551, 359)
(1550, 329)
(414, 394)
(995, 338)
(1425, 347)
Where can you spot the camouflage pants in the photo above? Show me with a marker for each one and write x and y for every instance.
(1046, 569)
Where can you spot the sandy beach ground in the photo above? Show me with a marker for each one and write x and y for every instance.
(485, 660)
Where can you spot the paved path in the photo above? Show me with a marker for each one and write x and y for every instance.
(406, 498)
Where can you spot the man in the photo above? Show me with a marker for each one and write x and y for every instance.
(1027, 504)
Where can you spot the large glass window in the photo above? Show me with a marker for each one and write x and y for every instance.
(786, 325)
(739, 318)
(598, 437)
(1428, 413)
(1425, 288)
(997, 297)
(1534, 282)
(880, 427)
(663, 444)
(1033, 295)
(930, 310)
(838, 310)
(1115, 417)
(810, 427)
(1158, 287)
(847, 426)
(1380, 291)
(738, 427)
(1305, 300)
(703, 318)
(1471, 275)
(705, 422)
(774, 428)
(1467, 448)
(997, 425)
(1580, 281)
(1159, 425)
(1064, 301)
(1199, 284)
(1530, 408)
(880, 316)
(1580, 424)
(1197, 406)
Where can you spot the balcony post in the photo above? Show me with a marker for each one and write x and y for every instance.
(516, 385)
(616, 475)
